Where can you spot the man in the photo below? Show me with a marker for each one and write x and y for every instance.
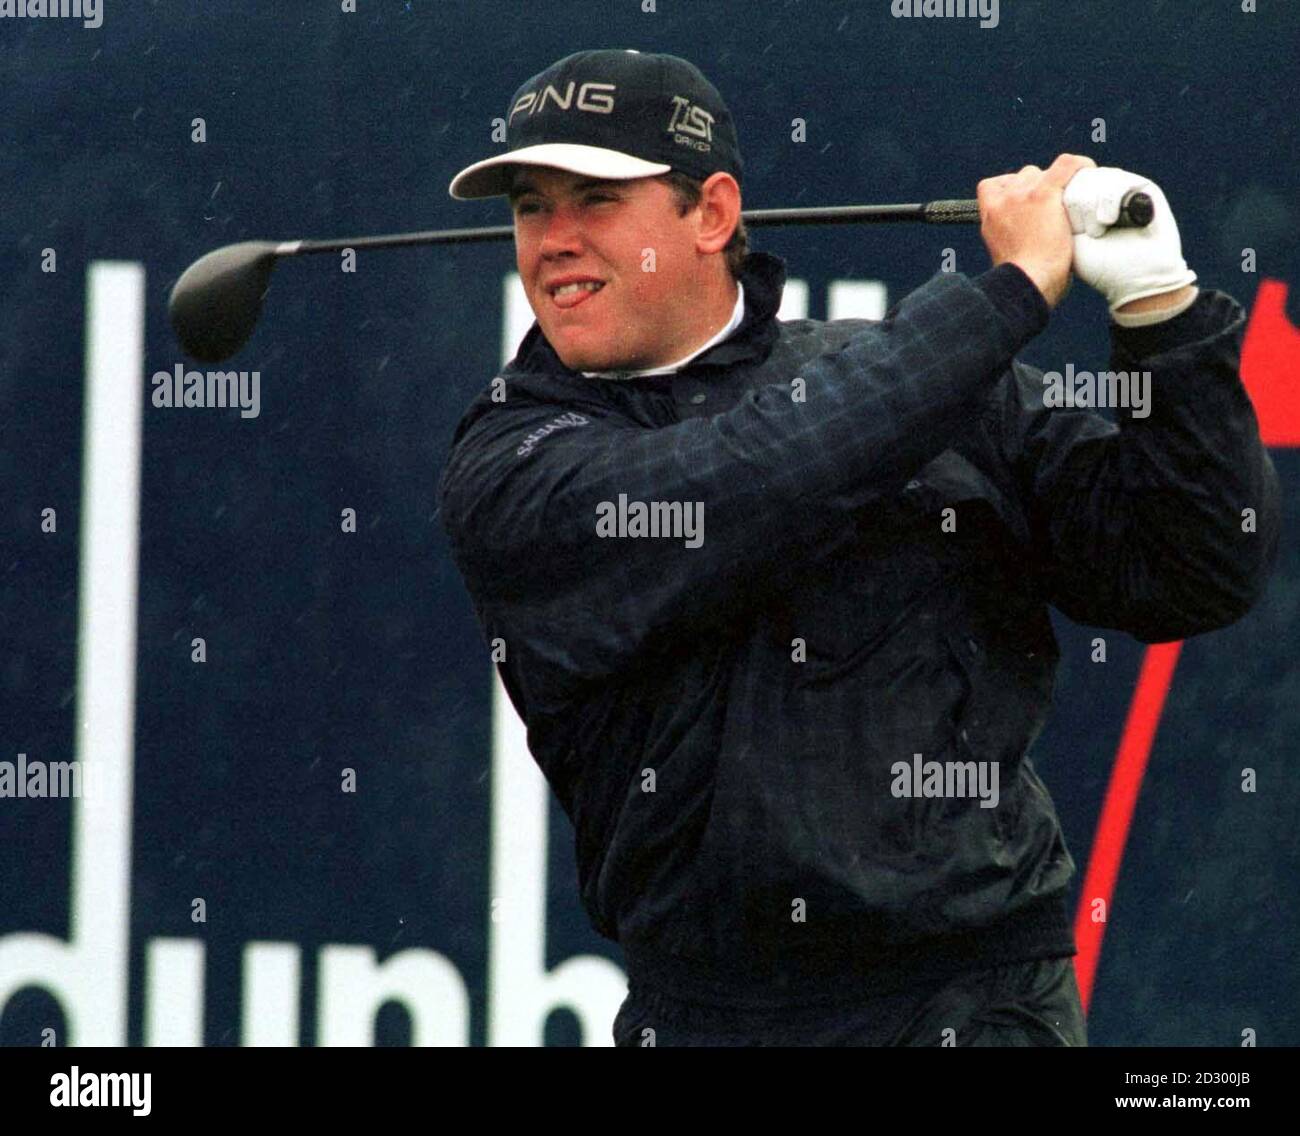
(744, 718)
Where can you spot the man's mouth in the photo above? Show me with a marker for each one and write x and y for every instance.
(571, 295)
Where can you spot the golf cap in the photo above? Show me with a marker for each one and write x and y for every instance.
(612, 114)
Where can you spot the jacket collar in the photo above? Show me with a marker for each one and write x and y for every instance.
(763, 276)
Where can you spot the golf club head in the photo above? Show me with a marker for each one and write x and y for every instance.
(215, 304)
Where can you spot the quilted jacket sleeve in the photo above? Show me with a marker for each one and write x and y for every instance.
(1164, 524)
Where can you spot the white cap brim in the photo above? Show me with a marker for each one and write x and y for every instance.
(491, 177)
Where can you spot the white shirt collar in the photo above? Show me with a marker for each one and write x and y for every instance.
(737, 314)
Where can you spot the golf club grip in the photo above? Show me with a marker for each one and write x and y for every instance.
(1135, 211)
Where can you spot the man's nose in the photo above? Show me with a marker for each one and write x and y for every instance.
(563, 233)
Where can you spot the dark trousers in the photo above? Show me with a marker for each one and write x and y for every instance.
(1020, 1004)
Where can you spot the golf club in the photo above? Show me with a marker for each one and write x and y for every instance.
(215, 304)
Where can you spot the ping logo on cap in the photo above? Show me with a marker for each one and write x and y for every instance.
(590, 98)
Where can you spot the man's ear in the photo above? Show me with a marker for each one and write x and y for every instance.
(719, 212)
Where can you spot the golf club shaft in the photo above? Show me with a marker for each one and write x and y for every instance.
(1134, 212)
(215, 304)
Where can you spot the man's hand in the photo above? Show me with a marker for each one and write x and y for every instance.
(1135, 269)
(1023, 220)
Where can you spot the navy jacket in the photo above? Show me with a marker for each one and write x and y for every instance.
(723, 723)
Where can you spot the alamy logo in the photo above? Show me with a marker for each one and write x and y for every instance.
(591, 97)
(1130, 389)
(215, 388)
(691, 120)
(985, 10)
(946, 779)
(101, 1090)
(23, 778)
(673, 519)
(87, 11)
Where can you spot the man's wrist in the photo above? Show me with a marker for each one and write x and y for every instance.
(1156, 309)
(1017, 298)
(1051, 286)
(1161, 300)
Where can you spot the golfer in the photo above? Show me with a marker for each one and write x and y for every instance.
(772, 596)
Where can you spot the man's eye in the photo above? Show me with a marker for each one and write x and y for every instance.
(525, 207)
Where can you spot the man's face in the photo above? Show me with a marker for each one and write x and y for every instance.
(628, 236)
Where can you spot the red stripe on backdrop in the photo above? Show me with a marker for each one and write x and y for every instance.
(1270, 366)
(1154, 677)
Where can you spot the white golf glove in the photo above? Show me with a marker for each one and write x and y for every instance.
(1125, 264)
